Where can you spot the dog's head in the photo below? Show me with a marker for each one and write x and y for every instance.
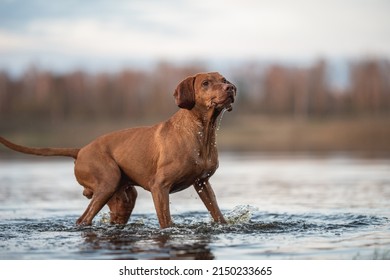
(208, 90)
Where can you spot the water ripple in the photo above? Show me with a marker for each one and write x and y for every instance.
(192, 236)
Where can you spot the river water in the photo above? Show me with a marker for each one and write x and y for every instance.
(278, 208)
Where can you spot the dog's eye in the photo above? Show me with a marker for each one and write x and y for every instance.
(224, 81)
(205, 83)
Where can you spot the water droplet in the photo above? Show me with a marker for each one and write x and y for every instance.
(220, 119)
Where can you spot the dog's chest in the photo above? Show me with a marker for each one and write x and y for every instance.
(205, 165)
(197, 168)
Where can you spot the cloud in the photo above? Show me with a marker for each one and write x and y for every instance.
(206, 30)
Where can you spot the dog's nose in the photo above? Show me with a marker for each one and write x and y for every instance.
(230, 94)
(230, 90)
(229, 87)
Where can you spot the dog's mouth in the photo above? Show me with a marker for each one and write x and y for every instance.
(227, 104)
(224, 104)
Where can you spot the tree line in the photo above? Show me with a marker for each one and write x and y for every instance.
(269, 89)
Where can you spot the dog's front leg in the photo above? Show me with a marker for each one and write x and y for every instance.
(206, 193)
(161, 203)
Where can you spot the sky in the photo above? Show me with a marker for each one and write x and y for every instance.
(104, 34)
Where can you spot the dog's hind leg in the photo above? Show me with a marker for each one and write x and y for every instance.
(99, 199)
(122, 203)
(100, 183)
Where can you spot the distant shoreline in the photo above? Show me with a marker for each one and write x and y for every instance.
(369, 136)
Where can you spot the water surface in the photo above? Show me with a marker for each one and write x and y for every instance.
(277, 208)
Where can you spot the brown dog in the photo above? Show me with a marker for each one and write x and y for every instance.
(163, 159)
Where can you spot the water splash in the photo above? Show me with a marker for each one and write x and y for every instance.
(104, 218)
(240, 214)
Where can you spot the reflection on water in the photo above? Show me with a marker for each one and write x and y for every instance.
(134, 243)
(277, 208)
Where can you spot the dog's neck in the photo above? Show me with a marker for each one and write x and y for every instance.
(202, 125)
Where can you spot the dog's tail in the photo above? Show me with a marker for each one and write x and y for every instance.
(67, 152)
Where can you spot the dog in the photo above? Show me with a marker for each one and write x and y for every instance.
(165, 158)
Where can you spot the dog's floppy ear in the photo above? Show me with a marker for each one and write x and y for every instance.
(185, 93)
